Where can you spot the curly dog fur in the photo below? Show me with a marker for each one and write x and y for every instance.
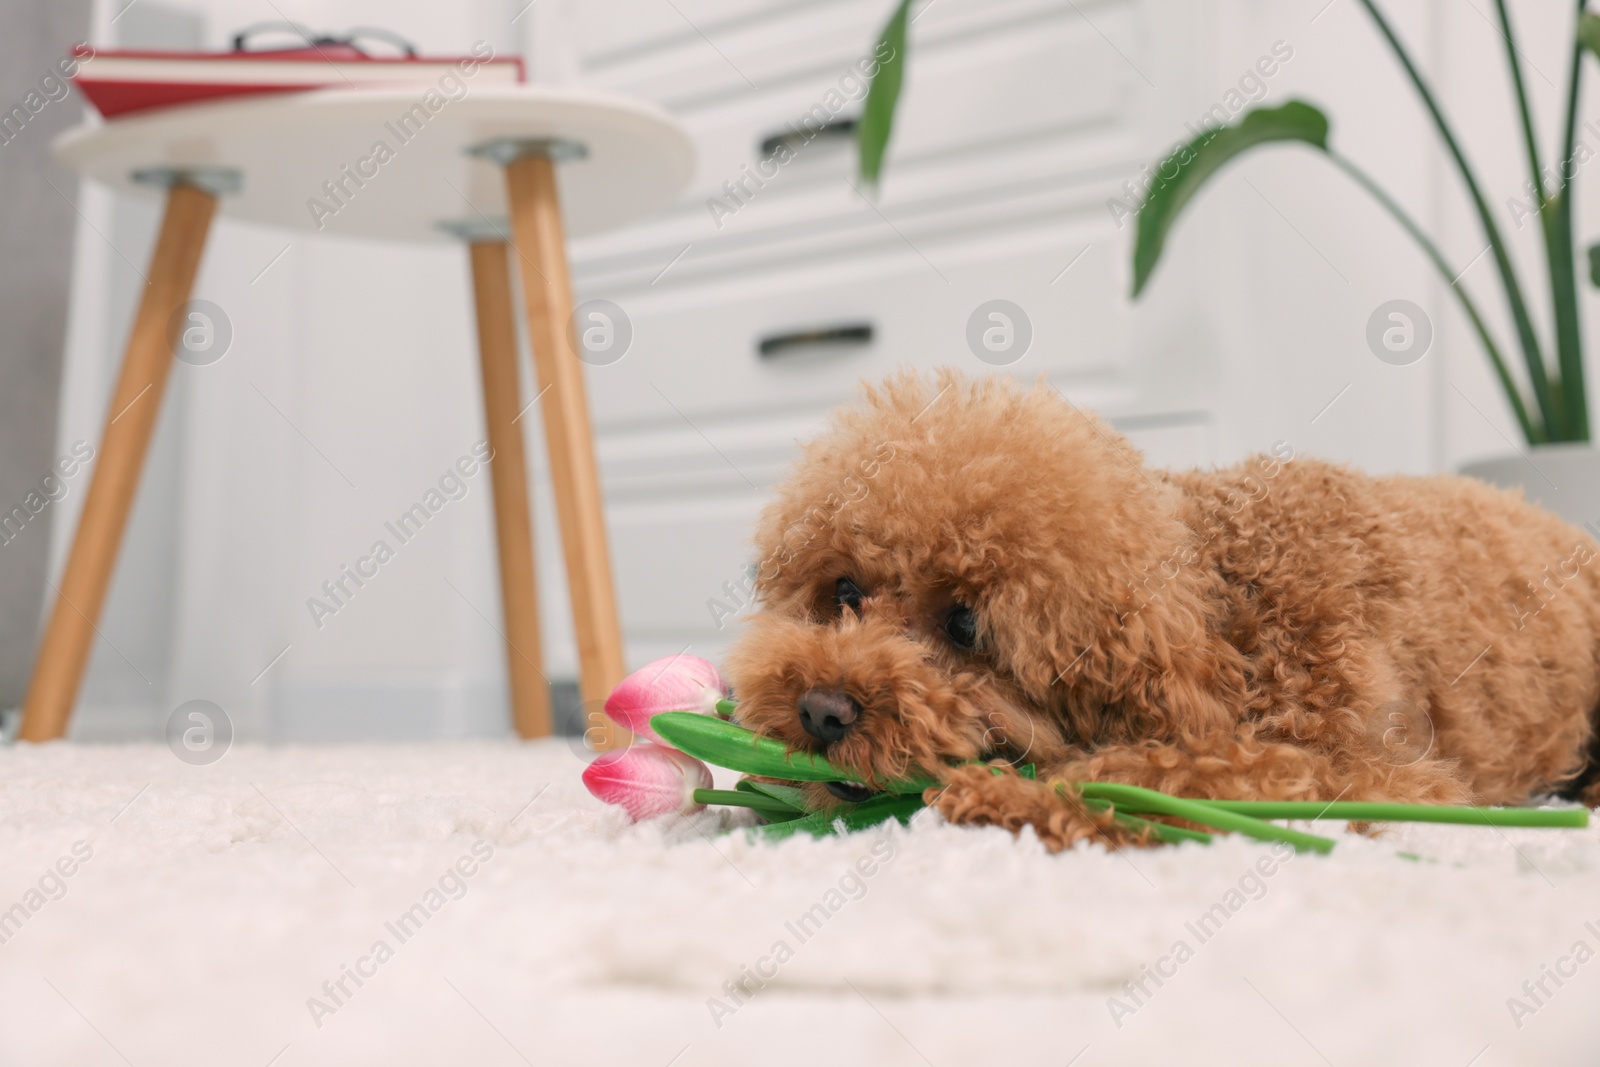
(1281, 629)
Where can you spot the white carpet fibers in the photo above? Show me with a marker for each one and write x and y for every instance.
(217, 901)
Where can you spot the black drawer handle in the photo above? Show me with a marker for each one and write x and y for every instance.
(848, 335)
(797, 137)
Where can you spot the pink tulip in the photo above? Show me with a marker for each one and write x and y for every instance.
(678, 683)
(648, 780)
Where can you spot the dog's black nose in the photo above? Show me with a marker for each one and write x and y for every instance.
(828, 714)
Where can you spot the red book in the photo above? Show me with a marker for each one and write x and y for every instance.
(121, 82)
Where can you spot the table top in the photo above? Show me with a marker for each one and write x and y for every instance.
(393, 163)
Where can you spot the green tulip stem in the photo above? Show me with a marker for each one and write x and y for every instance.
(1132, 798)
(1368, 811)
(738, 798)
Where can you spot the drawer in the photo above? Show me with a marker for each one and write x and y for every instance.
(986, 190)
(1037, 99)
(695, 346)
(672, 558)
(614, 32)
(1045, 78)
(704, 54)
(754, 46)
(1037, 76)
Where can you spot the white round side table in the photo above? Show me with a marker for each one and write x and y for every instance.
(395, 164)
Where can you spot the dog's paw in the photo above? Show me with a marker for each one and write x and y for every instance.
(996, 795)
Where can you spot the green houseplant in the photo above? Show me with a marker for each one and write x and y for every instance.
(1546, 391)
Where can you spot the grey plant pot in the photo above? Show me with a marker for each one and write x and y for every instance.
(1564, 478)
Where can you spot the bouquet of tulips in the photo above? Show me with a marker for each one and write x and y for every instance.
(680, 709)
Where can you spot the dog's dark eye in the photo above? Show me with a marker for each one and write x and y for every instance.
(848, 595)
(962, 626)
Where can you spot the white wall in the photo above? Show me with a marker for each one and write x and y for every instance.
(352, 382)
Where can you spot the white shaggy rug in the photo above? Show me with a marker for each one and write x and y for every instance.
(212, 914)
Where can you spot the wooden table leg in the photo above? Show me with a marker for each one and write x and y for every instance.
(130, 423)
(497, 348)
(547, 296)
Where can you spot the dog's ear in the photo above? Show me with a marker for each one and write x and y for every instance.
(1124, 658)
(1160, 670)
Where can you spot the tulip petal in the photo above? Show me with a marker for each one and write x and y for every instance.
(677, 683)
(648, 780)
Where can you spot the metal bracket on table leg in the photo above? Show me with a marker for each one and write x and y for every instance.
(218, 181)
(503, 150)
(477, 230)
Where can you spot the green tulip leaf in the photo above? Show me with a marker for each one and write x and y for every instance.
(1589, 33)
(792, 795)
(861, 816)
(730, 745)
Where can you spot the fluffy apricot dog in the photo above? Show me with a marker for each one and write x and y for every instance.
(970, 570)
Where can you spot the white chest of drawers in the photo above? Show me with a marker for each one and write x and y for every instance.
(1020, 118)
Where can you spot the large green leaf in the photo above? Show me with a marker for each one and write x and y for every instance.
(730, 745)
(1180, 175)
(883, 95)
(1589, 33)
